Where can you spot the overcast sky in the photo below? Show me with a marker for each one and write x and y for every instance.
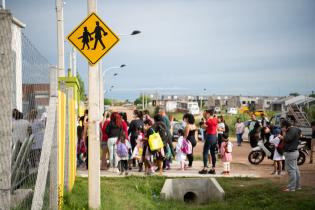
(248, 47)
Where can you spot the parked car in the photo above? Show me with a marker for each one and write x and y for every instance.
(232, 110)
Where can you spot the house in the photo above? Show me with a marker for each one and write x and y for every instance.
(301, 100)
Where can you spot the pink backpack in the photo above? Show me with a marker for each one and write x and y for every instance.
(186, 147)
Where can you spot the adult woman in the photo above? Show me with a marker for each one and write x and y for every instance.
(161, 128)
(239, 130)
(113, 130)
(221, 130)
(190, 134)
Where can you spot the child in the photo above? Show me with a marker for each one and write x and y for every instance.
(123, 153)
(180, 156)
(278, 156)
(138, 150)
(226, 153)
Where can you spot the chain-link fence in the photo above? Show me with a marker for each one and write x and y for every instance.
(25, 97)
(29, 124)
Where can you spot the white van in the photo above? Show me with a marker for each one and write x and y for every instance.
(232, 110)
(193, 108)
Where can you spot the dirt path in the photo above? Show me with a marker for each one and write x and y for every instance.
(239, 167)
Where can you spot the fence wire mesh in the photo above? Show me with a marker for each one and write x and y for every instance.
(28, 124)
(28, 87)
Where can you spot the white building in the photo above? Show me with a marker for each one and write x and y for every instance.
(16, 44)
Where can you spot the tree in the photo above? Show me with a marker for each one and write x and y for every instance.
(138, 101)
(107, 101)
(82, 88)
(294, 94)
(312, 95)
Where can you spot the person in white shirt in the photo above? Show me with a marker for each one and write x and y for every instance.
(278, 156)
(20, 127)
(180, 156)
(221, 130)
(239, 130)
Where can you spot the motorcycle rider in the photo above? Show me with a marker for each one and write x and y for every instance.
(254, 131)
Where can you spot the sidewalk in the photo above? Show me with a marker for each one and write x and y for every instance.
(238, 170)
(240, 167)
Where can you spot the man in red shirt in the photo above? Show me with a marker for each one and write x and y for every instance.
(210, 141)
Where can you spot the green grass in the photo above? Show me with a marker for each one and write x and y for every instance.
(143, 193)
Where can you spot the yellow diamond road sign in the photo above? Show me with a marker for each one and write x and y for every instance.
(93, 38)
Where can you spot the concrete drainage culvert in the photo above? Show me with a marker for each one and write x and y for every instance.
(192, 190)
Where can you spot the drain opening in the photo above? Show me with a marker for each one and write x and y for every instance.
(190, 197)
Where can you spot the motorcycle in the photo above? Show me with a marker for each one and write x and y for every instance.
(302, 148)
(258, 153)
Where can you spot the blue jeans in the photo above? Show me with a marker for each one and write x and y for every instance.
(239, 138)
(210, 144)
(292, 169)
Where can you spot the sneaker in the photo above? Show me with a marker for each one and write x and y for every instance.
(288, 190)
(203, 171)
(211, 171)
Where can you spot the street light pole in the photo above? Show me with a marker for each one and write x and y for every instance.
(93, 128)
(60, 38)
(102, 85)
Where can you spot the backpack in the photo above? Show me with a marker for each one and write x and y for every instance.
(228, 147)
(280, 147)
(122, 150)
(162, 130)
(186, 147)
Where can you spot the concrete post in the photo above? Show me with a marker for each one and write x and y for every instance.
(6, 63)
(101, 88)
(54, 147)
(93, 130)
(61, 100)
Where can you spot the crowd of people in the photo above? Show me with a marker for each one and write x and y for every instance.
(126, 145)
(25, 127)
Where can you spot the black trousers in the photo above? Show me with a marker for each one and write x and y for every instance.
(123, 165)
(190, 158)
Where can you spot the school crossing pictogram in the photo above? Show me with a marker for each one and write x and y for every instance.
(93, 38)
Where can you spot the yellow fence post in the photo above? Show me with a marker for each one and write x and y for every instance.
(73, 87)
(61, 139)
